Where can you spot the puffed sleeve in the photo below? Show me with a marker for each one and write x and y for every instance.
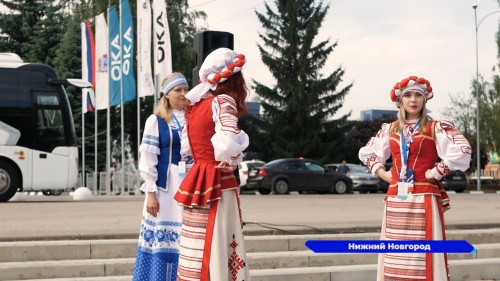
(228, 141)
(376, 152)
(453, 149)
(149, 151)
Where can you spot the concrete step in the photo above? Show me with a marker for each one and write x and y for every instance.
(126, 248)
(66, 269)
(67, 250)
(270, 243)
(478, 269)
(470, 270)
(267, 257)
(97, 278)
(287, 259)
(256, 261)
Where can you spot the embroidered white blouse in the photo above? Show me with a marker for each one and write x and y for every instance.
(228, 141)
(451, 145)
(150, 149)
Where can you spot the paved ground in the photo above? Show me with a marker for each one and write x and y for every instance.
(52, 217)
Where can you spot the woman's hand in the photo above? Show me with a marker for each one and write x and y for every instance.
(429, 176)
(385, 175)
(152, 205)
(225, 167)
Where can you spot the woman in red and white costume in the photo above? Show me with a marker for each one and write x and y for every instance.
(415, 200)
(212, 245)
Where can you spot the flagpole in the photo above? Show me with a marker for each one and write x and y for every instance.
(83, 146)
(138, 96)
(122, 175)
(138, 125)
(157, 87)
(138, 82)
(84, 104)
(108, 125)
(95, 152)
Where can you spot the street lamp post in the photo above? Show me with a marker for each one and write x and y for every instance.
(478, 151)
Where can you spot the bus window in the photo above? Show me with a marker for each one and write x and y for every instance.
(50, 125)
(8, 87)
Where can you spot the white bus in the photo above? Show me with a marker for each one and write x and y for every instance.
(38, 148)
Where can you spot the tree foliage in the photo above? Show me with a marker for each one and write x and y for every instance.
(32, 29)
(359, 135)
(298, 110)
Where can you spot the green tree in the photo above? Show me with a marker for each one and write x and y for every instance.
(32, 29)
(463, 113)
(17, 24)
(47, 35)
(298, 110)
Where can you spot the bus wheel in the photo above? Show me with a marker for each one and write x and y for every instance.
(9, 181)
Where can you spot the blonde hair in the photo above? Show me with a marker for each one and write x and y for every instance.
(401, 122)
(164, 109)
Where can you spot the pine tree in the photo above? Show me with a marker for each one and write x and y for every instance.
(32, 29)
(298, 110)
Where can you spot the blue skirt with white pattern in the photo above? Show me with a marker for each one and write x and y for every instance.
(159, 239)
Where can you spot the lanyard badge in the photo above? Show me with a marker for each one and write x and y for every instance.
(185, 165)
(406, 175)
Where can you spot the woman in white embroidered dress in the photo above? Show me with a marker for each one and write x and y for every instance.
(212, 245)
(415, 200)
(158, 249)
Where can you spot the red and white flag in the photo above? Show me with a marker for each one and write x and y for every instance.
(88, 66)
(101, 62)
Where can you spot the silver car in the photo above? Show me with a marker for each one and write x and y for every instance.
(362, 180)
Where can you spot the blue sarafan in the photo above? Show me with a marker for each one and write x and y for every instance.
(298, 174)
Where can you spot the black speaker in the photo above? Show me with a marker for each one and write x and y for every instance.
(204, 43)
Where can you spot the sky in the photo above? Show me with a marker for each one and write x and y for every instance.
(379, 43)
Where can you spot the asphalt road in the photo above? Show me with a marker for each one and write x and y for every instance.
(58, 217)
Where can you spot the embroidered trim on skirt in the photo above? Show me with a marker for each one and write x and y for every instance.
(203, 184)
(419, 217)
(159, 240)
(212, 243)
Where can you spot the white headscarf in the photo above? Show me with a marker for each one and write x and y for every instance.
(218, 66)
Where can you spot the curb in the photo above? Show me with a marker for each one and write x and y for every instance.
(249, 232)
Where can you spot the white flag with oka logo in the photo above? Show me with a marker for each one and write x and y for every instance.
(145, 85)
(162, 49)
(101, 56)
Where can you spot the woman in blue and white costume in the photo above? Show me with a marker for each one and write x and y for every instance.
(158, 249)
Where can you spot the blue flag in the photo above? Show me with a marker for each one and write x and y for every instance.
(115, 58)
(128, 83)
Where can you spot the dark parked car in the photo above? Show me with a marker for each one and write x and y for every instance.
(455, 180)
(245, 167)
(298, 174)
(362, 179)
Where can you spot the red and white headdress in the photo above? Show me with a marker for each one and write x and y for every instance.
(218, 66)
(412, 83)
